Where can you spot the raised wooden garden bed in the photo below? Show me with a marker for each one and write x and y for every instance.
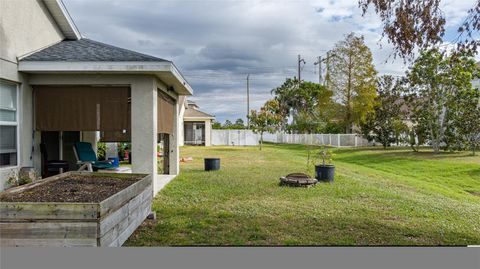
(75, 209)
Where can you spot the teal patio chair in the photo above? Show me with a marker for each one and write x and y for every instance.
(87, 159)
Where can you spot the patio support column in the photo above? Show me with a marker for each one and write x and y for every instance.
(208, 132)
(174, 157)
(90, 137)
(144, 127)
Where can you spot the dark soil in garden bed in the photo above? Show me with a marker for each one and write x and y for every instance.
(74, 188)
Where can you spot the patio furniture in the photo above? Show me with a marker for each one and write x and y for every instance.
(212, 164)
(87, 159)
(58, 166)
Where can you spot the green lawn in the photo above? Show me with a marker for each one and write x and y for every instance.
(380, 197)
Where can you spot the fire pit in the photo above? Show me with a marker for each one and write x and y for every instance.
(297, 180)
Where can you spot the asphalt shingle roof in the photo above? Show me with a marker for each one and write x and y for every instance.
(84, 50)
(194, 113)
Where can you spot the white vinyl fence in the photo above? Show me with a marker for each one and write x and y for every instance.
(234, 138)
(249, 138)
(334, 140)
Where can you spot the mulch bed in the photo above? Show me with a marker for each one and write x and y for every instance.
(74, 188)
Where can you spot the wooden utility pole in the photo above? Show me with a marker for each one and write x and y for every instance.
(327, 73)
(319, 62)
(248, 101)
(300, 60)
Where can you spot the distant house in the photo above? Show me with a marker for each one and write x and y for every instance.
(197, 125)
(58, 87)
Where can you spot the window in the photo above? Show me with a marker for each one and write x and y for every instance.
(8, 124)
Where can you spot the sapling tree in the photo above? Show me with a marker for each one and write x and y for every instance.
(267, 119)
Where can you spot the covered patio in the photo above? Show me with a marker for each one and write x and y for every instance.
(132, 99)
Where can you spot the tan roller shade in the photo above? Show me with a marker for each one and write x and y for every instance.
(165, 113)
(81, 108)
(115, 136)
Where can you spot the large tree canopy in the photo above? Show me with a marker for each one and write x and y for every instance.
(437, 81)
(302, 102)
(421, 24)
(352, 79)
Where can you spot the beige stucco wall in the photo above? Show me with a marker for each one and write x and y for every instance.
(181, 107)
(8, 72)
(208, 133)
(25, 26)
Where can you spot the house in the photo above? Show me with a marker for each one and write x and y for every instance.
(197, 125)
(58, 87)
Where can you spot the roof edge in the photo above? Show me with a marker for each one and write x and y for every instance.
(194, 118)
(165, 67)
(63, 19)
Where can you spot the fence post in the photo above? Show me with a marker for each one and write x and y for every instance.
(355, 140)
(330, 139)
(338, 140)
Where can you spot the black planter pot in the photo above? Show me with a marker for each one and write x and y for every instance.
(325, 173)
(212, 164)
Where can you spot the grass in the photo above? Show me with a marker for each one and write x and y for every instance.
(380, 197)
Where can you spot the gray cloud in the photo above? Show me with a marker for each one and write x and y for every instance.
(216, 43)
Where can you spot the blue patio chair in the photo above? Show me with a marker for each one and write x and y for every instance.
(87, 159)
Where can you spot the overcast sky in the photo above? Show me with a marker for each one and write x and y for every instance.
(216, 43)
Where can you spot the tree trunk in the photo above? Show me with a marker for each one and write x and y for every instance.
(473, 148)
(261, 140)
(349, 96)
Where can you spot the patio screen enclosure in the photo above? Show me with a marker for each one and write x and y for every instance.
(194, 133)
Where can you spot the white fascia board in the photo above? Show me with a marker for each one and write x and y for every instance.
(90, 66)
(197, 118)
(157, 68)
(64, 21)
(180, 78)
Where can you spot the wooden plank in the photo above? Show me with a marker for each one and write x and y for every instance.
(90, 242)
(112, 220)
(120, 233)
(107, 238)
(117, 200)
(140, 216)
(139, 199)
(48, 230)
(122, 225)
(14, 211)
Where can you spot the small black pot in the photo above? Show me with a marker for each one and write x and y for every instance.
(212, 164)
(325, 173)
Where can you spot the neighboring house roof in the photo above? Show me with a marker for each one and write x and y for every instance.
(194, 113)
(60, 14)
(86, 50)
